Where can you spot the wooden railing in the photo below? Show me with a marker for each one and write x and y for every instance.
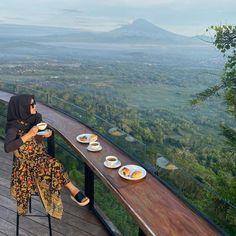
(156, 209)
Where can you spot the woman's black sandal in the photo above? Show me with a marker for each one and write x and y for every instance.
(80, 199)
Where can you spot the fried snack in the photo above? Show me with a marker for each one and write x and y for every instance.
(83, 138)
(125, 171)
(137, 174)
(93, 137)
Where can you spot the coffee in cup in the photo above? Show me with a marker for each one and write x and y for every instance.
(111, 160)
(94, 145)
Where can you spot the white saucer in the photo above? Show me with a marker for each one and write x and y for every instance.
(118, 164)
(43, 132)
(94, 150)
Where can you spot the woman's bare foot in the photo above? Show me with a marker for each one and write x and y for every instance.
(72, 188)
(77, 195)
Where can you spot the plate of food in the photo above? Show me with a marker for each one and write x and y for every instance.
(132, 172)
(86, 138)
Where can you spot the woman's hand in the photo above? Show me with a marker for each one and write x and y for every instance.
(48, 134)
(31, 133)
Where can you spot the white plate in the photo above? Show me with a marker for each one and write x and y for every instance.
(132, 168)
(43, 132)
(88, 136)
(118, 164)
(94, 150)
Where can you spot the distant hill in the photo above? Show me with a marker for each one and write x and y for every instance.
(204, 38)
(139, 32)
(143, 31)
(23, 31)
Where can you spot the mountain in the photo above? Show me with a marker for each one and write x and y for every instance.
(143, 31)
(139, 32)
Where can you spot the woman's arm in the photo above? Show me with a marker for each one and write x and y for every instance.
(31, 133)
(11, 141)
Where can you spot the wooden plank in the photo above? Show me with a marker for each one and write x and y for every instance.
(32, 225)
(2, 234)
(76, 220)
(154, 207)
(4, 182)
(5, 157)
(70, 223)
(10, 229)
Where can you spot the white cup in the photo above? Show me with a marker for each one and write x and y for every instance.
(111, 160)
(94, 145)
(42, 126)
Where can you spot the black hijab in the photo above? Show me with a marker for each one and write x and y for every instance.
(18, 114)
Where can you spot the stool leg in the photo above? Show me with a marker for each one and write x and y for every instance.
(17, 224)
(49, 225)
(30, 205)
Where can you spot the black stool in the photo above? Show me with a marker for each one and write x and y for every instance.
(31, 215)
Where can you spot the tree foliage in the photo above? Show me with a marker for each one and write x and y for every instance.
(225, 41)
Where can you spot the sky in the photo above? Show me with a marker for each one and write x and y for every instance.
(186, 17)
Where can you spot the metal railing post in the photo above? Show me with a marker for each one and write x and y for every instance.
(89, 185)
(140, 232)
(51, 145)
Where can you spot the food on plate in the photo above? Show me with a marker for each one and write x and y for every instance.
(83, 138)
(93, 137)
(137, 174)
(125, 171)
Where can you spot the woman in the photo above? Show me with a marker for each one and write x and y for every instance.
(33, 169)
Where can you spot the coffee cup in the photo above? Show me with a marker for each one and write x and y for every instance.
(111, 160)
(42, 126)
(94, 145)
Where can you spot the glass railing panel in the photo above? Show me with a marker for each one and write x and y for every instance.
(72, 110)
(126, 142)
(133, 147)
(8, 87)
(197, 193)
(3, 111)
(40, 95)
(118, 215)
(71, 161)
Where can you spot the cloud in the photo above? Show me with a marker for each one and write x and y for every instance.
(98, 23)
(136, 3)
(72, 11)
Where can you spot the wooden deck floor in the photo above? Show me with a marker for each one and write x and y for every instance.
(75, 221)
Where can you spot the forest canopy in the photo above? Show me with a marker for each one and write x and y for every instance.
(225, 41)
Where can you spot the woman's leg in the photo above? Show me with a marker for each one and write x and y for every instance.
(60, 178)
(72, 188)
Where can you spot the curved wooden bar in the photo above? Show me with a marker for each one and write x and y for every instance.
(154, 207)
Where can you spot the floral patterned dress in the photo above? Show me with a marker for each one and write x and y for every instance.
(36, 171)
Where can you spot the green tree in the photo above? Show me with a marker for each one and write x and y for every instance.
(225, 41)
